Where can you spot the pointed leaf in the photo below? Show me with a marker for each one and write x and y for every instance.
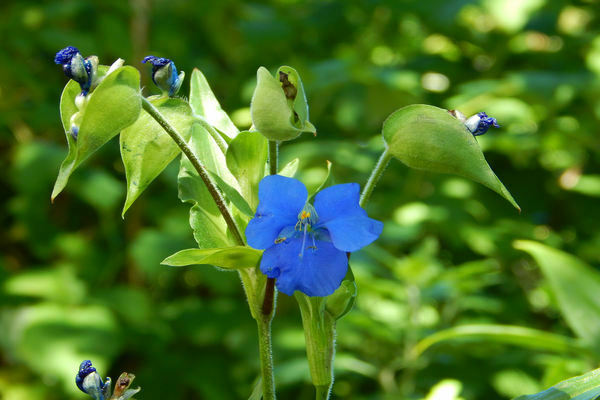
(205, 104)
(514, 335)
(235, 257)
(584, 387)
(429, 138)
(246, 158)
(328, 181)
(290, 168)
(112, 106)
(233, 196)
(147, 149)
(575, 284)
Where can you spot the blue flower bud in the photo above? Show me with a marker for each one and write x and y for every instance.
(479, 123)
(82, 70)
(90, 382)
(164, 74)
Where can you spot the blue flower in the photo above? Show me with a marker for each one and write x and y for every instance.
(82, 70)
(479, 123)
(306, 245)
(164, 74)
(90, 382)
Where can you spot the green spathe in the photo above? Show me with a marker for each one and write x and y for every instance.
(279, 108)
(112, 106)
(429, 138)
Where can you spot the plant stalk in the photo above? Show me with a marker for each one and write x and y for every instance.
(210, 185)
(375, 176)
(263, 318)
(273, 157)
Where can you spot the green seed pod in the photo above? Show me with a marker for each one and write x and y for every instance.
(429, 138)
(279, 108)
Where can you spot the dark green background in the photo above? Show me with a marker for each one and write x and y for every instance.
(77, 281)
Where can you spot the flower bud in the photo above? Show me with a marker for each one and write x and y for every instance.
(90, 382)
(82, 70)
(431, 139)
(479, 123)
(279, 108)
(164, 74)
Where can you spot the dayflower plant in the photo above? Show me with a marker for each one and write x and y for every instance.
(306, 245)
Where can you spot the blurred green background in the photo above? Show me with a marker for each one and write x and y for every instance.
(78, 282)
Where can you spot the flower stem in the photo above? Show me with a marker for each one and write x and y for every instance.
(210, 185)
(212, 131)
(266, 358)
(273, 157)
(375, 176)
(263, 321)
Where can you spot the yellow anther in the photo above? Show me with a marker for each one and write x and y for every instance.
(280, 240)
(304, 215)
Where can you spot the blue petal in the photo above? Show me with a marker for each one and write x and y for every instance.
(280, 199)
(348, 225)
(318, 272)
(65, 55)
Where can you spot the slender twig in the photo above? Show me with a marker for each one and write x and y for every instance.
(202, 172)
(375, 176)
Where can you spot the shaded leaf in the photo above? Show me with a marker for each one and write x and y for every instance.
(575, 284)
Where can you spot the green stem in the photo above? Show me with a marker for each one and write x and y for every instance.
(212, 132)
(266, 358)
(375, 176)
(273, 156)
(248, 278)
(210, 185)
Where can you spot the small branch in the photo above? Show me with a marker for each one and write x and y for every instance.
(273, 157)
(210, 185)
(375, 176)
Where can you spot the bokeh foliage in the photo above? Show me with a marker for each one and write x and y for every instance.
(78, 282)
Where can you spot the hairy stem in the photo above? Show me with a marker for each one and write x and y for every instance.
(210, 185)
(375, 176)
(273, 157)
(266, 358)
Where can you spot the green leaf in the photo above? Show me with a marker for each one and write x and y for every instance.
(235, 257)
(210, 229)
(233, 196)
(429, 138)
(112, 106)
(147, 149)
(290, 168)
(328, 181)
(205, 104)
(246, 158)
(584, 387)
(506, 334)
(575, 285)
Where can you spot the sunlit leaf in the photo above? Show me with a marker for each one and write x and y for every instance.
(147, 149)
(584, 387)
(229, 257)
(113, 105)
(290, 168)
(246, 158)
(205, 104)
(429, 138)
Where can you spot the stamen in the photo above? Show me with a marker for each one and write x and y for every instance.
(280, 240)
(304, 215)
(303, 241)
